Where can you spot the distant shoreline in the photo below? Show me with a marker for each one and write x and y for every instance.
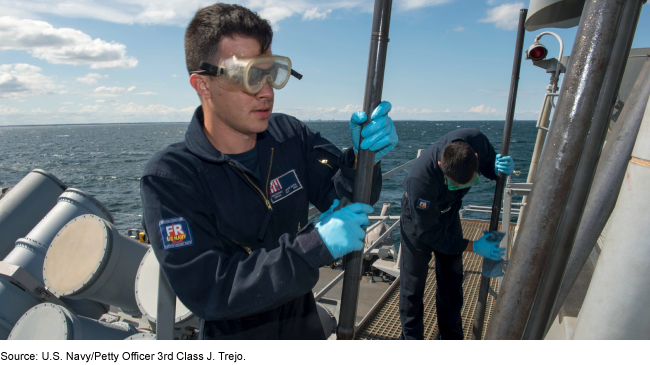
(308, 121)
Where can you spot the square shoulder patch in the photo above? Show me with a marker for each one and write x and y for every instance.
(175, 233)
(423, 204)
(283, 186)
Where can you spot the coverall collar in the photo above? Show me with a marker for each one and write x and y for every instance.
(199, 144)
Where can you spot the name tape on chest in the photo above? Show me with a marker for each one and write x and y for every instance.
(423, 204)
(283, 186)
(175, 233)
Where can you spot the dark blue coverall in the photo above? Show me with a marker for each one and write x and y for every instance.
(239, 251)
(430, 223)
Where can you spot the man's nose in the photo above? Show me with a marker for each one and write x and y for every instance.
(266, 92)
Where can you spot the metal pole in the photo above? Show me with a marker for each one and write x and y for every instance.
(616, 305)
(608, 180)
(365, 161)
(166, 309)
(565, 142)
(479, 316)
(539, 320)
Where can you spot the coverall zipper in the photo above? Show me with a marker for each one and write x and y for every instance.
(324, 162)
(265, 197)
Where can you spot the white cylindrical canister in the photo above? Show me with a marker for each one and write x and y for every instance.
(25, 205)
(30, 250)
(49, 321)
(90, 259)
(143, 336)
(29, 253)
(146, 294)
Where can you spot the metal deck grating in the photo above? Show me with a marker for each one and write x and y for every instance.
(384, 324)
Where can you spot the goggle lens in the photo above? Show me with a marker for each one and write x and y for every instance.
(274, 71)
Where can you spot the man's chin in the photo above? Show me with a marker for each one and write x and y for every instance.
(259, 125)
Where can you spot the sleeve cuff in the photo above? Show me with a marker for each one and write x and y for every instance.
(315, 253)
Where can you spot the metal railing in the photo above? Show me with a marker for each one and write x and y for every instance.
(382, 218)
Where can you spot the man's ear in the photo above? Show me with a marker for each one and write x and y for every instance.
(200, 84)
(438, 163)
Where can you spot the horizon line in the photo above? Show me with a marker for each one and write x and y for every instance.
(307, 121)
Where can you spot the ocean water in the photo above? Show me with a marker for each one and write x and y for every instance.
(106, 161)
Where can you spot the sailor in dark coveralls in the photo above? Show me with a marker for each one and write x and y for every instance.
(226, 209)
(430, 223)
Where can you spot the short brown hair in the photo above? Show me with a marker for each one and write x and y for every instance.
(459, 162)
(212, 23)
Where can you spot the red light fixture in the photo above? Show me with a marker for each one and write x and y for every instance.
(536, 52)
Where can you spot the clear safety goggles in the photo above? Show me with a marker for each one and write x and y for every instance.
(250, 73)
(454, 186)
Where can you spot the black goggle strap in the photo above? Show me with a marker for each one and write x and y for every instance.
(295, 74)
(209, 69)
(212, 70)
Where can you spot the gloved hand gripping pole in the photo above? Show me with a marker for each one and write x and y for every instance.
(365, 161)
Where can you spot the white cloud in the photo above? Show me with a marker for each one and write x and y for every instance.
(174, 75)
(7, 110)
(98, 113)
(179, 12)
(91, 78)
(416, 4)
(315, 14)
(504, 16)
(61, 45)
(482, 109)
(20, 80)
(459, 29)
(104, 90)
(410, 111)
(151, 110)
(350, 108)
(147, 93)
(276, 13)
(100, 101)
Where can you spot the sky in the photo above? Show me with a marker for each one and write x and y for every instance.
(122, 61)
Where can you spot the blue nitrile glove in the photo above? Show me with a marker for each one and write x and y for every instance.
(343, 231)
(379, 135)
(504, 165)
(487, 248)
(492, 268)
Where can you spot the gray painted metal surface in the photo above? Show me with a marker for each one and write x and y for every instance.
(25, 205)
(52, 322)
(146, 294)
(29, 252)
(90, 259)
(553, 14)
(608, 179)
(540, 316)
(144, 336)
(617, 302)
(166, 309)
(565, 142)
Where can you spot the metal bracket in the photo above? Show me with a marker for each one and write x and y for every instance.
(24, 280)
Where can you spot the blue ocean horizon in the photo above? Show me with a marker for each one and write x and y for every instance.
(106, 160)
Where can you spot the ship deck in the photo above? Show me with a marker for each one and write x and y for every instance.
(378, 314)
